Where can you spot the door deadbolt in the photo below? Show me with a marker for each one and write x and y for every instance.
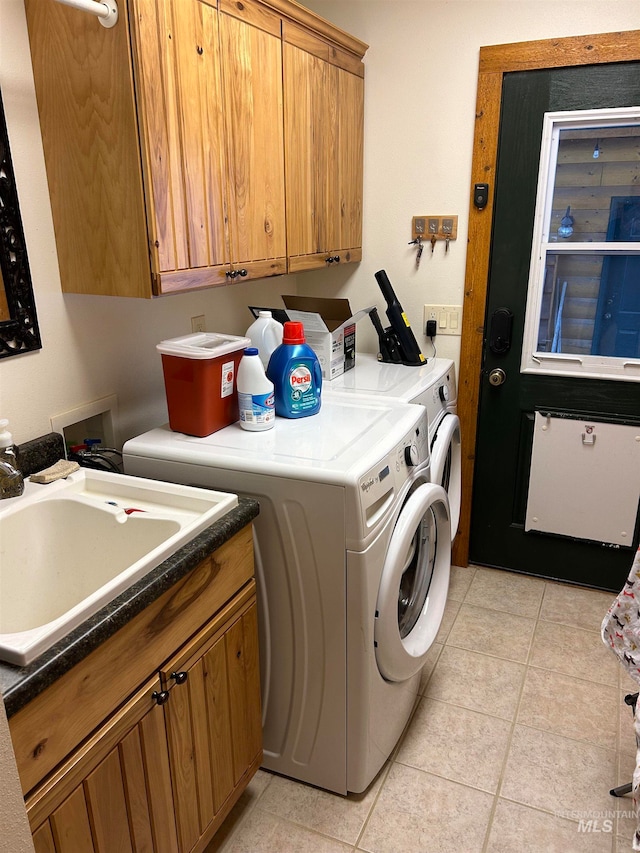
(497, 376)
(500, 331)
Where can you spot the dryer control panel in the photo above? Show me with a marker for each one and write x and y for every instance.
(442, 396)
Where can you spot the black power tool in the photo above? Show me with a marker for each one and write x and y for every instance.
(397, 343)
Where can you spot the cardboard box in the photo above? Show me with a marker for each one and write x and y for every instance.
(329, 329)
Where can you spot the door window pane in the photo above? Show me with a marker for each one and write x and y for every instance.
(591, 305)
(583, 302)
(597, 171)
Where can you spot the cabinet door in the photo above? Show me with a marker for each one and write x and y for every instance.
(180, 102)
(210, 92)
(82, 75)
(350, 160)
(310, 92)
(114, 793)
(324, 109)
(214, 722)
(179, 92)
(251, 51)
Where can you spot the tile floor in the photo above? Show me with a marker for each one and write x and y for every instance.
(519, 733)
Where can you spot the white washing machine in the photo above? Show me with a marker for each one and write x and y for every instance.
(432, 385)
(353, 554)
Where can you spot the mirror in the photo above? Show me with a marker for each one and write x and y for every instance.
(19, 330)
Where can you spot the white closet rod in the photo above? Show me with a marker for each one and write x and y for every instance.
(106, 10)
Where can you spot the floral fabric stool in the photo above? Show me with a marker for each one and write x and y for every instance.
(621, 632)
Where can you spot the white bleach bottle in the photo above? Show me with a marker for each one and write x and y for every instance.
(256, 399)
(265, 334)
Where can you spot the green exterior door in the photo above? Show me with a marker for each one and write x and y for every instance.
(506, 411)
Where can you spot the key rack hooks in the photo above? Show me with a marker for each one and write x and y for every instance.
(430, 229)
(105, 10)
(438, 227)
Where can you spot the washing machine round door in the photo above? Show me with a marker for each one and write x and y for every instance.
(446, 464)
(414, 584)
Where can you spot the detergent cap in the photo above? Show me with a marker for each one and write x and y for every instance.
(293, 333)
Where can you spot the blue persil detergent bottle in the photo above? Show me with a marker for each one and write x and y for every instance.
(295, 372)
(255, 393)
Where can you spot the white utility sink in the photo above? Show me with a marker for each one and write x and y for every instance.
(69, 547)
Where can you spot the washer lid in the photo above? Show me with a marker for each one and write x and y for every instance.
(414, 584)
(337, 445)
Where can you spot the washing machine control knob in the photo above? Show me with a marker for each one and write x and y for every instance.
(443, 393)
(411, 455)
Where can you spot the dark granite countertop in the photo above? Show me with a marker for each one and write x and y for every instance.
(19, 685)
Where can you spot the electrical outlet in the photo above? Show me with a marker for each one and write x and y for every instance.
(448, 318)
(198, 323)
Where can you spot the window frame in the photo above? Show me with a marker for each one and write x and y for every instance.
(567, 364)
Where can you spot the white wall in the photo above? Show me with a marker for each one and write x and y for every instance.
(420, 94)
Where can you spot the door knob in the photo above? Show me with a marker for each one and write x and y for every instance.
(497, 376)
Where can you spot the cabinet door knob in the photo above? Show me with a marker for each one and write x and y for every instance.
(231, 273)
(161, 696)
(333, 259)
(180, 677)
(243, 272)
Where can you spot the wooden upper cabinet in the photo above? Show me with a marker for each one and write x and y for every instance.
(252, 81)
(350, 159)
(83, 80)
(179, 93)
(324, 127)
(166, 139)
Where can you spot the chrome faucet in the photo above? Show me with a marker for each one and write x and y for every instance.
(11, 480)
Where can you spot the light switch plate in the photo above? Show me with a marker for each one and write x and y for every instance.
(448, 318)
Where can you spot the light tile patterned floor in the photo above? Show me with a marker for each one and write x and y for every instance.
(519, 733)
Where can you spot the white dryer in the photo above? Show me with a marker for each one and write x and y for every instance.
(352, 565)
(432, 385)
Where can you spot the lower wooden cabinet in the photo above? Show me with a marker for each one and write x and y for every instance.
(162, 773)
(213, 725)
(112, 797)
